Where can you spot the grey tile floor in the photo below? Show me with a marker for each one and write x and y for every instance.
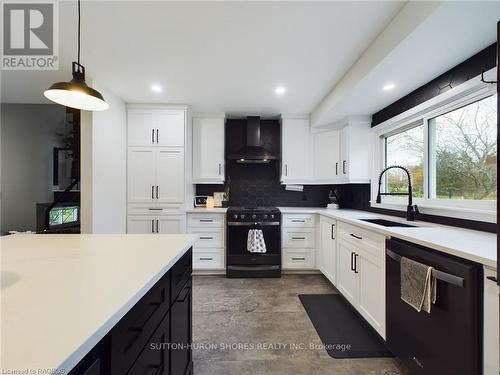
(258, 326)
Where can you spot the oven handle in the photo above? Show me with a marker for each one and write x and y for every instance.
(254, 223)
(253, 268)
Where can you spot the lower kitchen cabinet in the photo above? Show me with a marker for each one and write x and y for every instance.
(164, 224)
(328, 249)
(361, 280)
(155, 335)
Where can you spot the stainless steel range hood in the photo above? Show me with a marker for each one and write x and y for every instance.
(253, 151)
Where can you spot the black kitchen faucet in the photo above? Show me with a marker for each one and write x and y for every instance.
(411, 209)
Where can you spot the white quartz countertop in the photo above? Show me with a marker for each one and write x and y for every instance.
(203, 210)
(61, 294)
(469, 244)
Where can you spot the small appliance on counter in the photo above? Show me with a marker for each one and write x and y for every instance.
(333, 196)
(200, 201)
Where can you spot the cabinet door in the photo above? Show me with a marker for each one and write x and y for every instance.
(141, 125)
(154, 358)
(326, 157)
(208, 150)
(295, 150)
(170, 128)
(181, 331)
(141, 224)
(171, 224)
(344, 152)
(347, 279)
(491, 339)
(328, 249)
(141, 174)
(170, 175)
(371, 296)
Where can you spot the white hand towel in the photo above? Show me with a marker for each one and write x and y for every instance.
(255, 241)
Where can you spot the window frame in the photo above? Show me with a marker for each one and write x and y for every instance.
(469, 92)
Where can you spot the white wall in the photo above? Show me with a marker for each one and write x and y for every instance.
(28, 136)
(109, 166)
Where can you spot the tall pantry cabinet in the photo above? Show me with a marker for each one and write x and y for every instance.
(156, 139)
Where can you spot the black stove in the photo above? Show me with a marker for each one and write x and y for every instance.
(240, 262)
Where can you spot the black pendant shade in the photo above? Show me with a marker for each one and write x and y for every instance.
(76, 93)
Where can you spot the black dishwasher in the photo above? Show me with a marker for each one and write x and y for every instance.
(449, 339)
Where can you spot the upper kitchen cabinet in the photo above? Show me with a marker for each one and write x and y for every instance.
(296, 158)
(343, 155)
(156, 127)
(208, 148)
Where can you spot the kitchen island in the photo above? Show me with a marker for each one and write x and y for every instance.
(63, 296)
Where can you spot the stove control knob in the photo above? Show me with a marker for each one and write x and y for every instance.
(235, 216)
(272, 216)
(265, 217)
(242, 216)
(254, 216)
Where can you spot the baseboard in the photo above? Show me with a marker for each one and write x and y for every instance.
(209, 272)
(283, 272)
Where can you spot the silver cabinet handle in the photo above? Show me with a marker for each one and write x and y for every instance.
(206, 238)
(208, 258)
(358, 237)
(298, 258)
(206, 220)
(155, 209)
(157, 135)
(298, 221)
(157, 226)
(157, 192)
(298, 238)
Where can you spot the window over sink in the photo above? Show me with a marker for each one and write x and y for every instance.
(451, 153)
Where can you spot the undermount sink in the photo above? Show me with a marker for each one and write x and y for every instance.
(388, 223)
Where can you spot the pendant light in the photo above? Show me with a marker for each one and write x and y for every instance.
(76, 93)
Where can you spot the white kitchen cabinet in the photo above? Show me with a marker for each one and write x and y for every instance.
(156, 127)
(326, 156)
(328, 249)
(347, 279)
(296, 153)
(208, 250)
(141, 174)
(371, 292)
(491, 338)
(171, 224)
(155, 174)
(151, 224)
(170, 174)
(356, 153)
(298, 241)
(208, 148)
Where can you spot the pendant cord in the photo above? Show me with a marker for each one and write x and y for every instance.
(78, 32)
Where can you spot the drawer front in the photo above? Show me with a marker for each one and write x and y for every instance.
(208, 238)
(206, 220)
(208, 259)
(180, 274)
(132, 332)
(298, 259)
(154, 209)
(154, 360)
(373, 243)
(298, 238)
(298, 220)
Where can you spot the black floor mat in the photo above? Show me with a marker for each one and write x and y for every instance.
(342, 331)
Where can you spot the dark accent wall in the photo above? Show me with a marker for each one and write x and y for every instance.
(470, 68)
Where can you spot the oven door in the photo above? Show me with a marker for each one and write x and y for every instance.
(237, 235)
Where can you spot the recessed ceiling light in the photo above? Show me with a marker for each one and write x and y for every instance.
(156, 88)
(388, 86)
(280, 90)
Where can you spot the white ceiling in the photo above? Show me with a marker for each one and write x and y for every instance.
(454, 32)
(213, 56)
(230, 56)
